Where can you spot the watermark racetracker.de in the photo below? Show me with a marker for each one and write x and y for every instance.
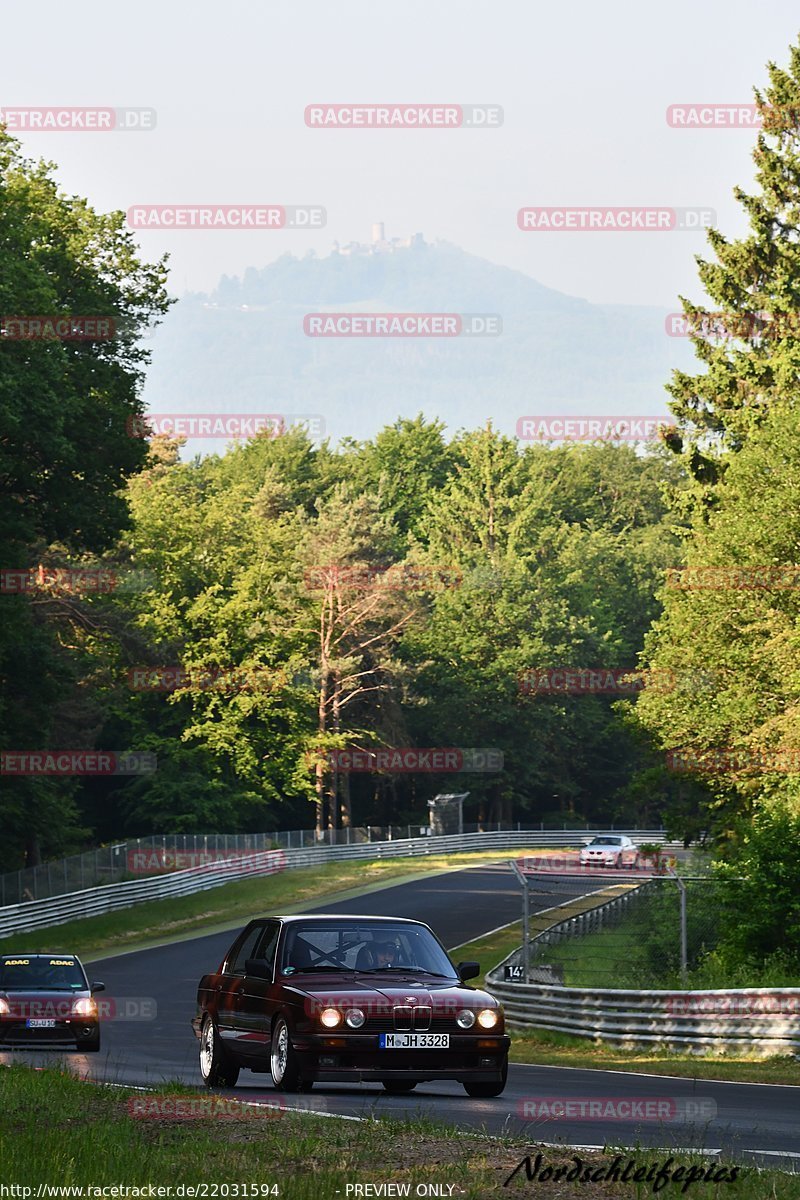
(77, 762)
(226, 216)
(669, 1109)
(602, 681)
(183, 1107)
(403, 116)
(107, 1008)
(54, 582)
(401, 325)
(152, 860)
(755, 1003)
(715, 115)
(411, 760)
(765, 577)
(227, 680)
(397, 577)
(223, 425)
(78, 120)
(727, 761)
(615, 219)
(733, 326)
(591, 429)
(57, 327)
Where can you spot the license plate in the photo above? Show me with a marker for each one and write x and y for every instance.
(415, 1041)
(39, 1023)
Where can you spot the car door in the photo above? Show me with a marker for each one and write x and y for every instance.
(230, 986)
(256, 1004)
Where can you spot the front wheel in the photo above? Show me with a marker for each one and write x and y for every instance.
(216, 1067)
(283, 1065)
(398, 1087)
(485, 1091)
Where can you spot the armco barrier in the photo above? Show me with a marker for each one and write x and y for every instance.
(764, 1020)
(38, 914)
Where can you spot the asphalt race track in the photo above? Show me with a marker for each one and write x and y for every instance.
(754, 1122)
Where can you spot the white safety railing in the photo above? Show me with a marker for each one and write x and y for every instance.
(761, 1020)
(57, 910)
(765, 1020)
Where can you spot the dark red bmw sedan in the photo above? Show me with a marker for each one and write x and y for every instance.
(348, 999)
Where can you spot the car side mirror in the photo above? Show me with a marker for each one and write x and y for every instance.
(468, 970)
(97, 987)
(258, 967)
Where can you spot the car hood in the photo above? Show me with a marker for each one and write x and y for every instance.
(42, 997)
(342, 990)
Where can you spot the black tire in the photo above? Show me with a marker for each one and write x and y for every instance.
(618, 862)
(485, 1091)
(216, 1066)
(398, 1087)
(283, 1065)
(91, 1046)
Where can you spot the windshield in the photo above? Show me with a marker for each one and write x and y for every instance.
(372, 948)
(41, 972)
(605, 841)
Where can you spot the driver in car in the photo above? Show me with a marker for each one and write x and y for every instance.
(385, 954)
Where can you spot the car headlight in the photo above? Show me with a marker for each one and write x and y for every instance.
(355, 1018)
(466, 1018)
(84, 1008)
(488, 1018)
(330, 1018)
(5, 1008)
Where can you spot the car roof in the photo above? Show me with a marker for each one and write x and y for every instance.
(296, 918)
(38, 954)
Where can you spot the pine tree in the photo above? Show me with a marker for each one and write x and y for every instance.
(750, 345)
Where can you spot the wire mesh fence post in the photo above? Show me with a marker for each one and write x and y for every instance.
(526, 914)
(684, 939)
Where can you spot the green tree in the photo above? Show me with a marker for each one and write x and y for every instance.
(761, 921)
(729, 630)
(749, 345)
(65, 453)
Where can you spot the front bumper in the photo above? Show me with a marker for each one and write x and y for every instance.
(358, 1057)
(14, 1033)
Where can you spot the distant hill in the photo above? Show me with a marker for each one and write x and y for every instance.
(243, 349)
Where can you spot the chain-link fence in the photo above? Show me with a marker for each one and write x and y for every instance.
(654, 935)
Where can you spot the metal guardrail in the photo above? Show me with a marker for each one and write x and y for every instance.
(57, 910)
(765, 1020)
(39, 914)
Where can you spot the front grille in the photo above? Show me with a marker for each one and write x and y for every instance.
(405, 1019)
(417, 1017)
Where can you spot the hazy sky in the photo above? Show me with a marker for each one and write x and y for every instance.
(584, 88)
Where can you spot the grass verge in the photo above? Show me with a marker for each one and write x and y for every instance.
(91, 1138)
